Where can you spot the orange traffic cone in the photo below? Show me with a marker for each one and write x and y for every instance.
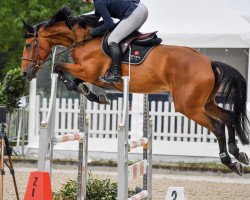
(39, 187)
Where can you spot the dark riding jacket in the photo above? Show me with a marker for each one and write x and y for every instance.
(108, 9)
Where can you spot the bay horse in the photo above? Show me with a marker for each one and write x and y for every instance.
(192, 79)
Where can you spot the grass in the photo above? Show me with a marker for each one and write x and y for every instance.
(182, 166)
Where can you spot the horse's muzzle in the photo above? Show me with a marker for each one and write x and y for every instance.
(25, 75)
(30, 73)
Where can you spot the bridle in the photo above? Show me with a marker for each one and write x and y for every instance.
(35, 49)
(38, 61)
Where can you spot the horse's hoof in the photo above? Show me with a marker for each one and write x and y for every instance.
(83, 89)
(103, 99)
(236, 168)
(243, 158)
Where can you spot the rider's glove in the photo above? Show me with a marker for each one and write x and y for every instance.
(89, 35)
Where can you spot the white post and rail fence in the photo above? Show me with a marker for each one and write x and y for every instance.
(174, 134)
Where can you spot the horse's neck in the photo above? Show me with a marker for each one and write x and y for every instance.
(91, 59)
(60, 35)
(90, 49)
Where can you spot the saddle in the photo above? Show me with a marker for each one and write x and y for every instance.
(141, 45)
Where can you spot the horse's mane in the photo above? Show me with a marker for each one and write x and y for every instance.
(61, 15)
(65, 15)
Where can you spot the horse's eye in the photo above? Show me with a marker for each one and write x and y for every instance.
(27, 45)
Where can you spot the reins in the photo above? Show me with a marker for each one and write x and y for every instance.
(39, 62)
(74, 46)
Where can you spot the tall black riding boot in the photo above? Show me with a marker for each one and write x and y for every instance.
(115, 68)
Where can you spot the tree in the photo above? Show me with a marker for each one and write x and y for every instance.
(12, 13)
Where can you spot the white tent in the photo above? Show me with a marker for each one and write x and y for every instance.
(242, 7)
(198, 23)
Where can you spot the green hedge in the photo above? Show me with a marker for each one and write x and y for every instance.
(12, 89)
(96, 190)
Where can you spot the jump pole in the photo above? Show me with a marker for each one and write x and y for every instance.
(83, 151)
(147, 150)
(128, 173)
(123, 145)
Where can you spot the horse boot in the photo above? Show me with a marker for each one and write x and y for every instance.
(70, 85)
(115, 73)
(82, 88)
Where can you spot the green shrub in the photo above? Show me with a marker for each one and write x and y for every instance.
(68, 192)
(12, 89)
(96, 190)
(2, 97)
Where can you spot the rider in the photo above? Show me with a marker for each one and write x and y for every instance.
(132, 15)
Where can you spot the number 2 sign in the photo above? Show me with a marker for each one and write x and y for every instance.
(176, 193)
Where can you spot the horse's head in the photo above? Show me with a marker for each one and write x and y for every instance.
(62, 29)
(35, 52)
(41, 38)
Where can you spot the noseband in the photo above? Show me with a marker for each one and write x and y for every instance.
(38, 61)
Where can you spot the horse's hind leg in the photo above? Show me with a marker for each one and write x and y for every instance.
(227, 117)
(190, 95)
(217, 127)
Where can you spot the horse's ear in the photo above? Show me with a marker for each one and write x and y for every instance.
(28, 28)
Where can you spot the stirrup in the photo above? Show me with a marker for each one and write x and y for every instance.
(111, 79)
(106, 74)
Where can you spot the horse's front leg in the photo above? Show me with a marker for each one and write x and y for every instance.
(78, 85)
(82, 88)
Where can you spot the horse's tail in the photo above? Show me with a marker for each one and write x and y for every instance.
(233, 91)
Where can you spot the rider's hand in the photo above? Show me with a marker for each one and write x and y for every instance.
(88, 34)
